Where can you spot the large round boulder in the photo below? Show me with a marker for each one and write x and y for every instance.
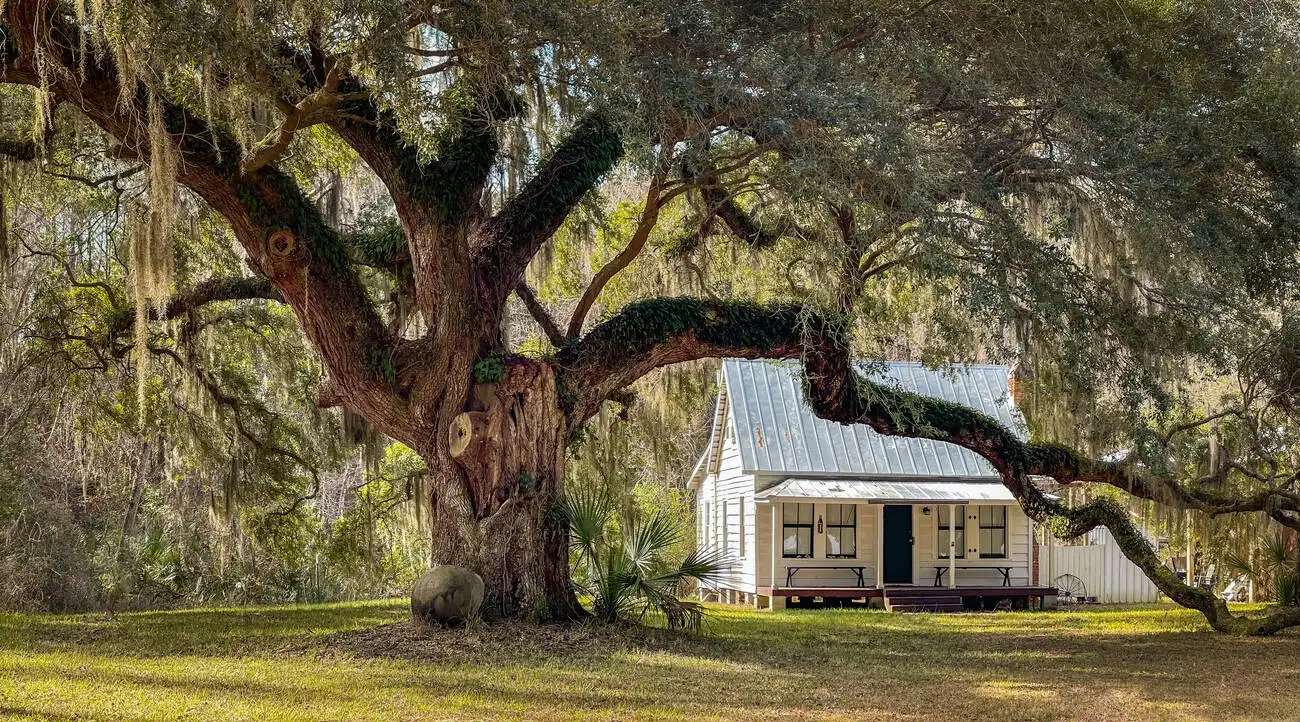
(447, 595)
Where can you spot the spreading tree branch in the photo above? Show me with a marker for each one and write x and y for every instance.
(308, 265)
(657, 333)
(540, 315)
(647, 335)
(511, 238)
(649, 218)
(206, 292)
(741, 224)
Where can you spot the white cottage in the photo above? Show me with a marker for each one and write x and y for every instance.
(813, 511)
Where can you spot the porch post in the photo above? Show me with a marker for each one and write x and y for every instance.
(880, 546)
(1029, 556)
(952, 545)
(772, 581)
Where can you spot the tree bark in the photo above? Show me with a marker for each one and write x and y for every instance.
(497, 476)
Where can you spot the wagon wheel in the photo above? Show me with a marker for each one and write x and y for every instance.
(1070, 589)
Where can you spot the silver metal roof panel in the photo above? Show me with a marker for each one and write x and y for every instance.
(778, 433)
(881, 492)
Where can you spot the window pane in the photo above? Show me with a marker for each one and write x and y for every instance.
(849, 513)
(944, 515)
(790, 545)
(993, 516)
(797, 513)
(993, 542)
(841, 541)
(740, 525)
(959, 536)
(832, 513)
(805, 541)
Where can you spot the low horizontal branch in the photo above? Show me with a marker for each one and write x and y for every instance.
(650, 334)
(206, 292)
(655, 333)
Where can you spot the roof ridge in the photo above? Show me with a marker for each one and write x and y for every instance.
(919, 364)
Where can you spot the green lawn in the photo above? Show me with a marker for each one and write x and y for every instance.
(337, 662)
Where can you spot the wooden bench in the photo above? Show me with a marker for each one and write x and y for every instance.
(789, 573)
(1006, 573)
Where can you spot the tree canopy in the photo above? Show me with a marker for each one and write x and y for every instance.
(1105, 192)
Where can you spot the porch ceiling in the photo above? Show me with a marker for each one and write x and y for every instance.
(887, 492)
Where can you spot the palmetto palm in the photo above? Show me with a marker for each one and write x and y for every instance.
(626, 568)
(1275, 569)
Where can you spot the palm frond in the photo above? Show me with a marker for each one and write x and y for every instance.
(588, 513)
(631, 576)
(649, 540)
(705, 565)
(1288, 589)
(677, 613)
(1276, 552)
(1240, 566)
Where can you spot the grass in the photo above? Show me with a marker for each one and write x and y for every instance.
(357, 661)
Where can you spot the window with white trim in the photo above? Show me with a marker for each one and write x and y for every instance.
(958, 531)
(706, 538)
(841, 531)
(796, 531)
(993, 532)
(701, 523)
(724, 545)
(740, 525)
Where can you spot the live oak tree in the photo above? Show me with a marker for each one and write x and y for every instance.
(1108, 187)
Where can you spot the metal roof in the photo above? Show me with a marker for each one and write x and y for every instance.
(778, 433)
(949, 492)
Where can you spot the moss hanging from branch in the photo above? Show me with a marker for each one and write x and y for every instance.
(152, 247)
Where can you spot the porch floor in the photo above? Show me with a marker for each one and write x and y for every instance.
(902, 590)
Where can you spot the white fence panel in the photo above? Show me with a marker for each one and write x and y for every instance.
(1108, 575)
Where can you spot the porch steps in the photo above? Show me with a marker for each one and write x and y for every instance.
(922, 599)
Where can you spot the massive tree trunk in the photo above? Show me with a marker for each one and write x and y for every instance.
(497, 476)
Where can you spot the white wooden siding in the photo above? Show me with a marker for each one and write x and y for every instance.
(731, 492)
(728, 496)
(815, 577)
(1107, 574)
(753, 570)
(925, 557)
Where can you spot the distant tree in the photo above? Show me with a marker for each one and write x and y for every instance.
(1108, 186)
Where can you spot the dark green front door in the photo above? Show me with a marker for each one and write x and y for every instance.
(898, 544)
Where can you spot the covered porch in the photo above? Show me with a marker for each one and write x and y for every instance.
(910, 544)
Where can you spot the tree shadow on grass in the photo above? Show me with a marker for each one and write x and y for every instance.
(843, 664)
(191, 631)
(1021, 666)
